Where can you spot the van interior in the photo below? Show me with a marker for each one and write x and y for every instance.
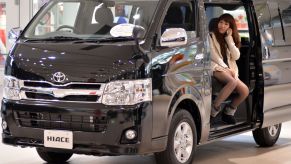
(244, 114)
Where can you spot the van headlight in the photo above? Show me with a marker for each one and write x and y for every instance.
(127, 92)
(11, 88)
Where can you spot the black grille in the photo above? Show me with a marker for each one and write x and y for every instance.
(61, 121)
(90, 98)
(69, 86)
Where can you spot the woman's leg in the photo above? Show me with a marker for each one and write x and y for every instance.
(230, 85)
(243, 92)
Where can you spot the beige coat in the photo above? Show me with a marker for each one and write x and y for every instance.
(233, 54)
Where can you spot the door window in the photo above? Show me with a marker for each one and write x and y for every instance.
(285, 8)
(180, 15)
(276, 23)
(264, 20)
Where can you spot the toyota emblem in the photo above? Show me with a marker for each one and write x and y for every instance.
(59, 77)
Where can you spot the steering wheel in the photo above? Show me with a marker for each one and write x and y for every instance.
(65, 26)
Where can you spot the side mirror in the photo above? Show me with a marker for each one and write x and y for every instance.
(13, 34)
(173, 37)
(127, 30)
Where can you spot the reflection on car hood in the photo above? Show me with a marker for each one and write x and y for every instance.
(79, 62)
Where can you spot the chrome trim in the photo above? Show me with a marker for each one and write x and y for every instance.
(59, 92)
(60, 85)
(276, 60)
(59, 77)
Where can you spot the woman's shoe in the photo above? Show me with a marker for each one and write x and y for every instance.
(229, 119)
(215, 111)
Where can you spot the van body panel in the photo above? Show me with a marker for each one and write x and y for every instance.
(176, 72)
(181, 78)
(200, 116)
(277, 107)
(276, 60)
(276, 116)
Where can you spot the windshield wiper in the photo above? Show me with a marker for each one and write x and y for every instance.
(117, 39)
(55, 38)
(98, 40)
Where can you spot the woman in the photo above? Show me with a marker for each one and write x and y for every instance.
(224, 49)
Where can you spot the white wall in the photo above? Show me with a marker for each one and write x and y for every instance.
(12, 17)
(14, 10)
(26, 12)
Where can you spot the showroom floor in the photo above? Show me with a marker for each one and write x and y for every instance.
(240, 149)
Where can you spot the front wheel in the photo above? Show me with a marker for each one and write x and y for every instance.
(53, 157)
(268, 136)
(182, 140)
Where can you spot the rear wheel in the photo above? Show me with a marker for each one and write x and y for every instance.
(53, 157)
(182, 140)
(268, 136)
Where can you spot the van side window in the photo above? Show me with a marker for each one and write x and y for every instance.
(264, 21)
(276, 23)
(285, 8)
(179, 15)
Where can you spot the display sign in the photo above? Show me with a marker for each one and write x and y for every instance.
(58, 139)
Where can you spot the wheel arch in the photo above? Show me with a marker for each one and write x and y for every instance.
(192, 108)
(190, 101)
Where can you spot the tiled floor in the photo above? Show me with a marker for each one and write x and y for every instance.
(239, 149)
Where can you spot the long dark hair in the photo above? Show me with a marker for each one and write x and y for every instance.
(220, 37)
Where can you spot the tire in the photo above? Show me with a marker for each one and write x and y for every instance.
(181, 120)
(268, 136)
(53, 157)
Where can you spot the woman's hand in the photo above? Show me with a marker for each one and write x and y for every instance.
(229, 32)
(231, 72)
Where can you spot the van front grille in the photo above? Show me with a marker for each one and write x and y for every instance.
(89, 98)
(66, 86)
(70, 92)
(61, 121)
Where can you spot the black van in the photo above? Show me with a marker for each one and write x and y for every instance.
(127, 77)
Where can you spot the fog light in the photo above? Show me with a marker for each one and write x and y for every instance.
(4, 125)
(130, 134)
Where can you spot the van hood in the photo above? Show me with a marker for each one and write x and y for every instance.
(85, 62)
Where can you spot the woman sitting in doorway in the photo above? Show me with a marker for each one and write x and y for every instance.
(224, 48)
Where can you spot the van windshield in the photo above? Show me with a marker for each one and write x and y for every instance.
(91, 19)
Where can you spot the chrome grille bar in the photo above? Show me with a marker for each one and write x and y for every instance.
(58, 91)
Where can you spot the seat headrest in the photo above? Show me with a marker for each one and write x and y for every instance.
(174, 15)
(213, 23)
(104, 16)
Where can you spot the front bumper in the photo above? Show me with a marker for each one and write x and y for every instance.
(97, 129)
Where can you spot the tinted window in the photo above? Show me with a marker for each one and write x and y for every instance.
(179, 15)
(285, 8)
(264, 20)
(276, 23)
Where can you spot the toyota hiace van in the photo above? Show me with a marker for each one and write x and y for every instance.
(128, 77)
